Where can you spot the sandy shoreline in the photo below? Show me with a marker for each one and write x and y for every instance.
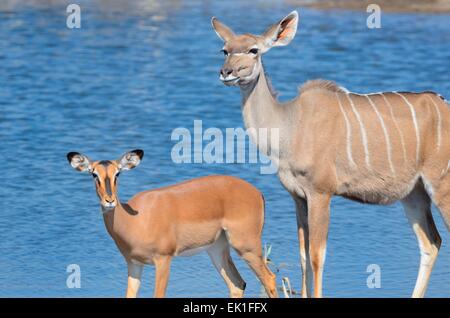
(425, 6)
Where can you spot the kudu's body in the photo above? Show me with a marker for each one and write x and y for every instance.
(209, 213)
(375, 148)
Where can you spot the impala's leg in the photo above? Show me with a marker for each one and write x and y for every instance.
(255, 260)
(302, 228)
(251, 251)
(417, 207)
(318, 220)
(162, 267)
(221, 258)
(134, 279)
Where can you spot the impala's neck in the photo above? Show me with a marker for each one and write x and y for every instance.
(115, 218)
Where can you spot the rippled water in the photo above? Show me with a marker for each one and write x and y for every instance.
(131, 75)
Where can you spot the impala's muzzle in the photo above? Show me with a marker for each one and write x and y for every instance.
(109, 203)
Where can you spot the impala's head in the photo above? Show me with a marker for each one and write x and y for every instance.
(105, 173)
(243, 52)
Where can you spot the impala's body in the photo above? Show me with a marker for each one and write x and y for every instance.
(374, 148)
(210, 213)
(184, 218)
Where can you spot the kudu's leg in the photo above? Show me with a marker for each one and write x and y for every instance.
(302, 229)
(318, 220)
(134, 279)
(444, 208)
(417, 206)
(162, 267)
(221, 258)
(441, 197)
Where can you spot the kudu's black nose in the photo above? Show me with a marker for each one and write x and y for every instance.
(226, 71)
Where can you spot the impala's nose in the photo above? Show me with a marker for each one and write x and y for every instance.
(109, 200)
(108, 204)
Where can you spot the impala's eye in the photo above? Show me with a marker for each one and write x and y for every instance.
(253, 51)
(225, 52)
(96, 178)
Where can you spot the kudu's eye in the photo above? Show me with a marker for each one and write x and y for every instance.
(225, 52)
(253, 51)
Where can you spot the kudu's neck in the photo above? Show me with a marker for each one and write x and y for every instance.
(260, 108)
(266, 119)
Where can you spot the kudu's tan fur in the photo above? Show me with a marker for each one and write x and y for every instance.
(210, 213)
(375, 148)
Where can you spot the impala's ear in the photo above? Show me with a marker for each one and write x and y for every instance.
(130, 160)
(222, 31)
(79, 161)
(281, 33)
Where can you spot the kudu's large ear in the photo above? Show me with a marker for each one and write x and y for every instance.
(222, 31)
(130, 160)
(79, 161)
(281, 33)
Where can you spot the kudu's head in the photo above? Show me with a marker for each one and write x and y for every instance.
(243, 52)
(105, 173)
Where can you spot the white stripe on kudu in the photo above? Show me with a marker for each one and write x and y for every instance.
(416, 127)
(363, 131)
(386, 135)
(348, 128)
(439, 124)
(402, 140)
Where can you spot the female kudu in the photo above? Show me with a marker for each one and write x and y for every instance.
(210, 213)
(374, 148)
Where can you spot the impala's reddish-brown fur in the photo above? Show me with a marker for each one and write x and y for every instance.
(209, 213)
(374, 148)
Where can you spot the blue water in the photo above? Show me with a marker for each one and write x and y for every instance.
(132, 74)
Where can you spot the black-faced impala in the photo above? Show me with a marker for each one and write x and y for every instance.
(374, 148)
(210, 213)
